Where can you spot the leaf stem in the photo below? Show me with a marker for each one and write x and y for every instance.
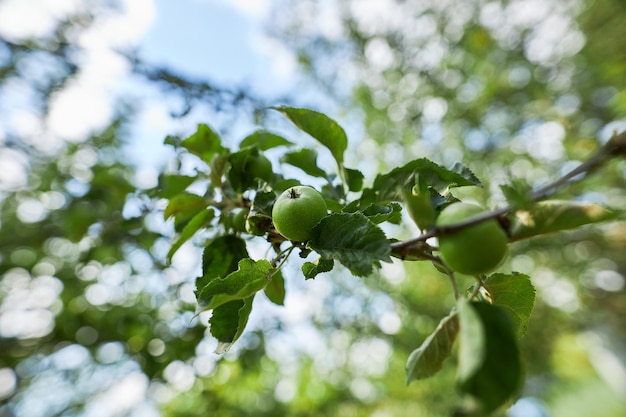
(455, 287)
(282, 257)
(450, 273)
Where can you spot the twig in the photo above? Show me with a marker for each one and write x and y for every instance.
(451, 277)
(282, 257)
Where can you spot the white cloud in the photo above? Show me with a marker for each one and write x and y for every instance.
(257, 9)
(86, 105)
(284, 61)
(14, 174)
(121, 397)
(114, 30)
(79, 110)
(21, 19)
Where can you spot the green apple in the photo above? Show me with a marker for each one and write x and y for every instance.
(475, 249)
(296, 211)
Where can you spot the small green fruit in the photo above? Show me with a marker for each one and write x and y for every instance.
(472, 250)
(296, 211)
(239, 220)
(420, 208)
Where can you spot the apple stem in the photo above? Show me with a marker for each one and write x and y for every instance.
(293, 194)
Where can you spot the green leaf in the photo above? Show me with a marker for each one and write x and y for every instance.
(327, 131)
(199, 221)
(518, 194)
(306, 160)
(428, 359)
(353, 240)
(490, 369)
(247, 280)
(219, 258)
(263, 202)
(258, 224)
(333, 194)
(387, 213)
(172, 141)
(218, 166)
(351, 207)
(354, 179)
(239, 174)
(388, 187)
(184, 206)
(204, 143)
(473, 341)
(515, 294)
(264, 140)
(283, 184)
(312, 269)
(228, 322)
(556, 215)
(466, 173)
(171, 185)
(275, 289)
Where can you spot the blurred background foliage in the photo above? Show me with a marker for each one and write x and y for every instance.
(93, 322)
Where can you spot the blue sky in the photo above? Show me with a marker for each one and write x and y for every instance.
(221, 41)
(201, 38)
(211, 39)
(218, 40)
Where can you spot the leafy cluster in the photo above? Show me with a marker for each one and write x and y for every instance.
(235, 206)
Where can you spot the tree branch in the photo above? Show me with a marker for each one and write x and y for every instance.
(616, 146)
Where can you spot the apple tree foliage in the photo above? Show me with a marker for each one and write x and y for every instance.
(490, 316)
(88, 305)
